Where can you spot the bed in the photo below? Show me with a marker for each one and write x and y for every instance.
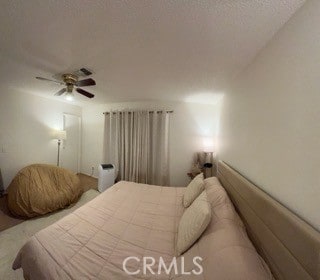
(290, 246)
(140, 220)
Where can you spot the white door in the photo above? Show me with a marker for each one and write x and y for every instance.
(71, 146)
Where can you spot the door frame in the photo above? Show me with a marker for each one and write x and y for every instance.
(80, 136)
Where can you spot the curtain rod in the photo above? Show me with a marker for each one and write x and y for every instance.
(151, 112)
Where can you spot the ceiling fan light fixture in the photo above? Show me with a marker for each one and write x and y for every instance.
(69, 96)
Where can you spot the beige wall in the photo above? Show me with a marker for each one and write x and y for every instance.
(190, 123)
(271, 118)
(26, 124)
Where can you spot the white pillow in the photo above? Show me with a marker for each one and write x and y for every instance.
(193, 223)
(195, 187)
(211, 181)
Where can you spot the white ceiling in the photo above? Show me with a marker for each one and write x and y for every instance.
(138, 49)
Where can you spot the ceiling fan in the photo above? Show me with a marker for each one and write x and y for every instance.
(71, 81)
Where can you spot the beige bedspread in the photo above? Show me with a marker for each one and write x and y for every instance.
(139, 220)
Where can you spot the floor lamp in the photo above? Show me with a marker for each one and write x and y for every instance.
(59, 135)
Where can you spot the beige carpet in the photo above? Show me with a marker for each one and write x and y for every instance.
(12, 239)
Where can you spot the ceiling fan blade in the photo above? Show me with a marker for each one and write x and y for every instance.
(60, 92)
(45, 79)
(85, 93)
(86, 71)
(86, 82)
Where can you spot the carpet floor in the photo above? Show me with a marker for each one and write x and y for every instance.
(12, 239)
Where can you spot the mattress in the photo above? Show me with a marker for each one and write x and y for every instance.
(138, 220)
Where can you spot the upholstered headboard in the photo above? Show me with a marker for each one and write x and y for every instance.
(289, 245)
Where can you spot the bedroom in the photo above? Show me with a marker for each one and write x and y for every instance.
(239, 76)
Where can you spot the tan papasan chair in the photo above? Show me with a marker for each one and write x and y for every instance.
(41, 188)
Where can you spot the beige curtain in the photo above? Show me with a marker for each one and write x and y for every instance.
(136, 142)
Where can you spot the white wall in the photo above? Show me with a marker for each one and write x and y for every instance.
(26, 124)
(271, 118)
(190, 122)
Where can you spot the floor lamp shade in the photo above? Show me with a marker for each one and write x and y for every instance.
(60, 135)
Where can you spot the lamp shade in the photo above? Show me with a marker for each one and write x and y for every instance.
(60, 134)
(208, 144)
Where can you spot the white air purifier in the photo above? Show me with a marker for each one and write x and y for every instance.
(106, 176)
